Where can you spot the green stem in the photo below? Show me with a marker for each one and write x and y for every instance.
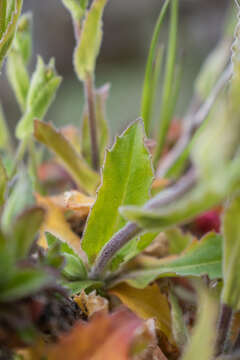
(34, 165)
(167, 108)
(147, 87)
(19, 156)
(224, 327)
(90, 96)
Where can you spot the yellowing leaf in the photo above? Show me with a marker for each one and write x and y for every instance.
(146, 303)
(90, 41)
(80, 203)
(57, 224)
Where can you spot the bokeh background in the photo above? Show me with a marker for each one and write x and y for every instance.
(128, 26)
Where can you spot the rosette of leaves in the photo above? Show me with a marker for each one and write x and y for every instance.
(27, 284)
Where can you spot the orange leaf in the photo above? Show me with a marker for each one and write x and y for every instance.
(147, 303)
(105, 337)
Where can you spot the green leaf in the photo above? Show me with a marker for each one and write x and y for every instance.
(10, 28)
(148, 88)
(167, 107)
(75, 287)
(203, 339)
(25, 229)
(20, 197)
(77, 8)
(132, 249)
(126, 179)
(178, 240)
(18, 78)
(43, 87)
(23, 39)
(182, 211)
(179, 328)
(3, 183)
(52, 241)
(74, 268)
(7, 265)
(84, 176)
(212, 69)
(204, 258)
(231, 265)
(102, 127)
(5, 140)
(24, 283)
(90, 40)
(3, 17)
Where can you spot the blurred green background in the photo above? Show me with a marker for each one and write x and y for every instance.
(128, 26)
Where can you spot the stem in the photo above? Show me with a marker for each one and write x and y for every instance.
(236, 345)
(224, 326)
(34, 165)
(193, 122)
(89, 91)
(131, 229)
(19, 156)
(173, 193)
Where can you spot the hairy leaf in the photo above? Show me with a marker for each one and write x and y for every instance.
(203, 258)
(76, 7)
(74, 268)
(181, 211)
(132, 249)
(126, 179)
(212, 68)
(84, 176)
(18, 77)
(90, 41)
(43, 87)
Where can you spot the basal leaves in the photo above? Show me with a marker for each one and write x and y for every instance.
(204, 258)
(126, 179)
